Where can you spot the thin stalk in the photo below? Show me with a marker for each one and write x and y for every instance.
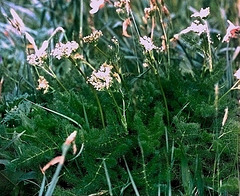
(123, 118)
(232, 88)
(108, 178)
(79, 153)
(131, 178)
(101, 51)
(160, 85)
(99, 106)
(55, 32)
(93, 90)
(81, 20)
(209, 49)
(164, 100)
(167, 42)
(228, 68)
(55, 178)
(134, 23)
(168, 165)
(42, 186)
(88, 64)
(59, 82)
(29, 70)
(144, 166)
(152, 28)
(159, 190)
(238, 165)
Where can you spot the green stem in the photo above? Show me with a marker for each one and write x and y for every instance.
(144, 167)
(101, 51)
(81, 20)
(99, 106)
(54, 180)
(160, 85)
(167, 42)
(122, 116)
(232, 88)
(209, 48)
(93, 90)
(61, 84)
(134, 22)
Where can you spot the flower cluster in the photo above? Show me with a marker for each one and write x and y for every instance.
(93, 37)
(148, 11)
(42, 84)
(36, 60)
(121, 5)
(203, 13)
(115, 40)
(147, 43)
(102, 79)
(196, 26)
(64, 50)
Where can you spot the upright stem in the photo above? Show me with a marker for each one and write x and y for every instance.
(81, 20)
(93, 90)
(232, 88)
(209, 49)
(160, 85)
(100, 107)
(167, 41)
(122, 116)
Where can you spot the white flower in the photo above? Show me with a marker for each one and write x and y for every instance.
(42, 84)
(64, 50)
(101, 79)
(96, 5)
(147, 43)
(35, 60)
(203, 13)
(93, 37)
(195, 27)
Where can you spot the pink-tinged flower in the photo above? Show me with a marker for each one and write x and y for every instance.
(71, 138)
(147, 43)
(58, 159)
(42, 84)
(237, 74)
(203, 13)
(64, 50)
(125, 25)
(37, 58)
(232, 32)
(17, 22)
(103, 78)
(96, 5)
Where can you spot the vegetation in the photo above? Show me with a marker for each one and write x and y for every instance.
(144, 92)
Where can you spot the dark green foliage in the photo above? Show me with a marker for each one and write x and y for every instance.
(173, 141)
(146, 148)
